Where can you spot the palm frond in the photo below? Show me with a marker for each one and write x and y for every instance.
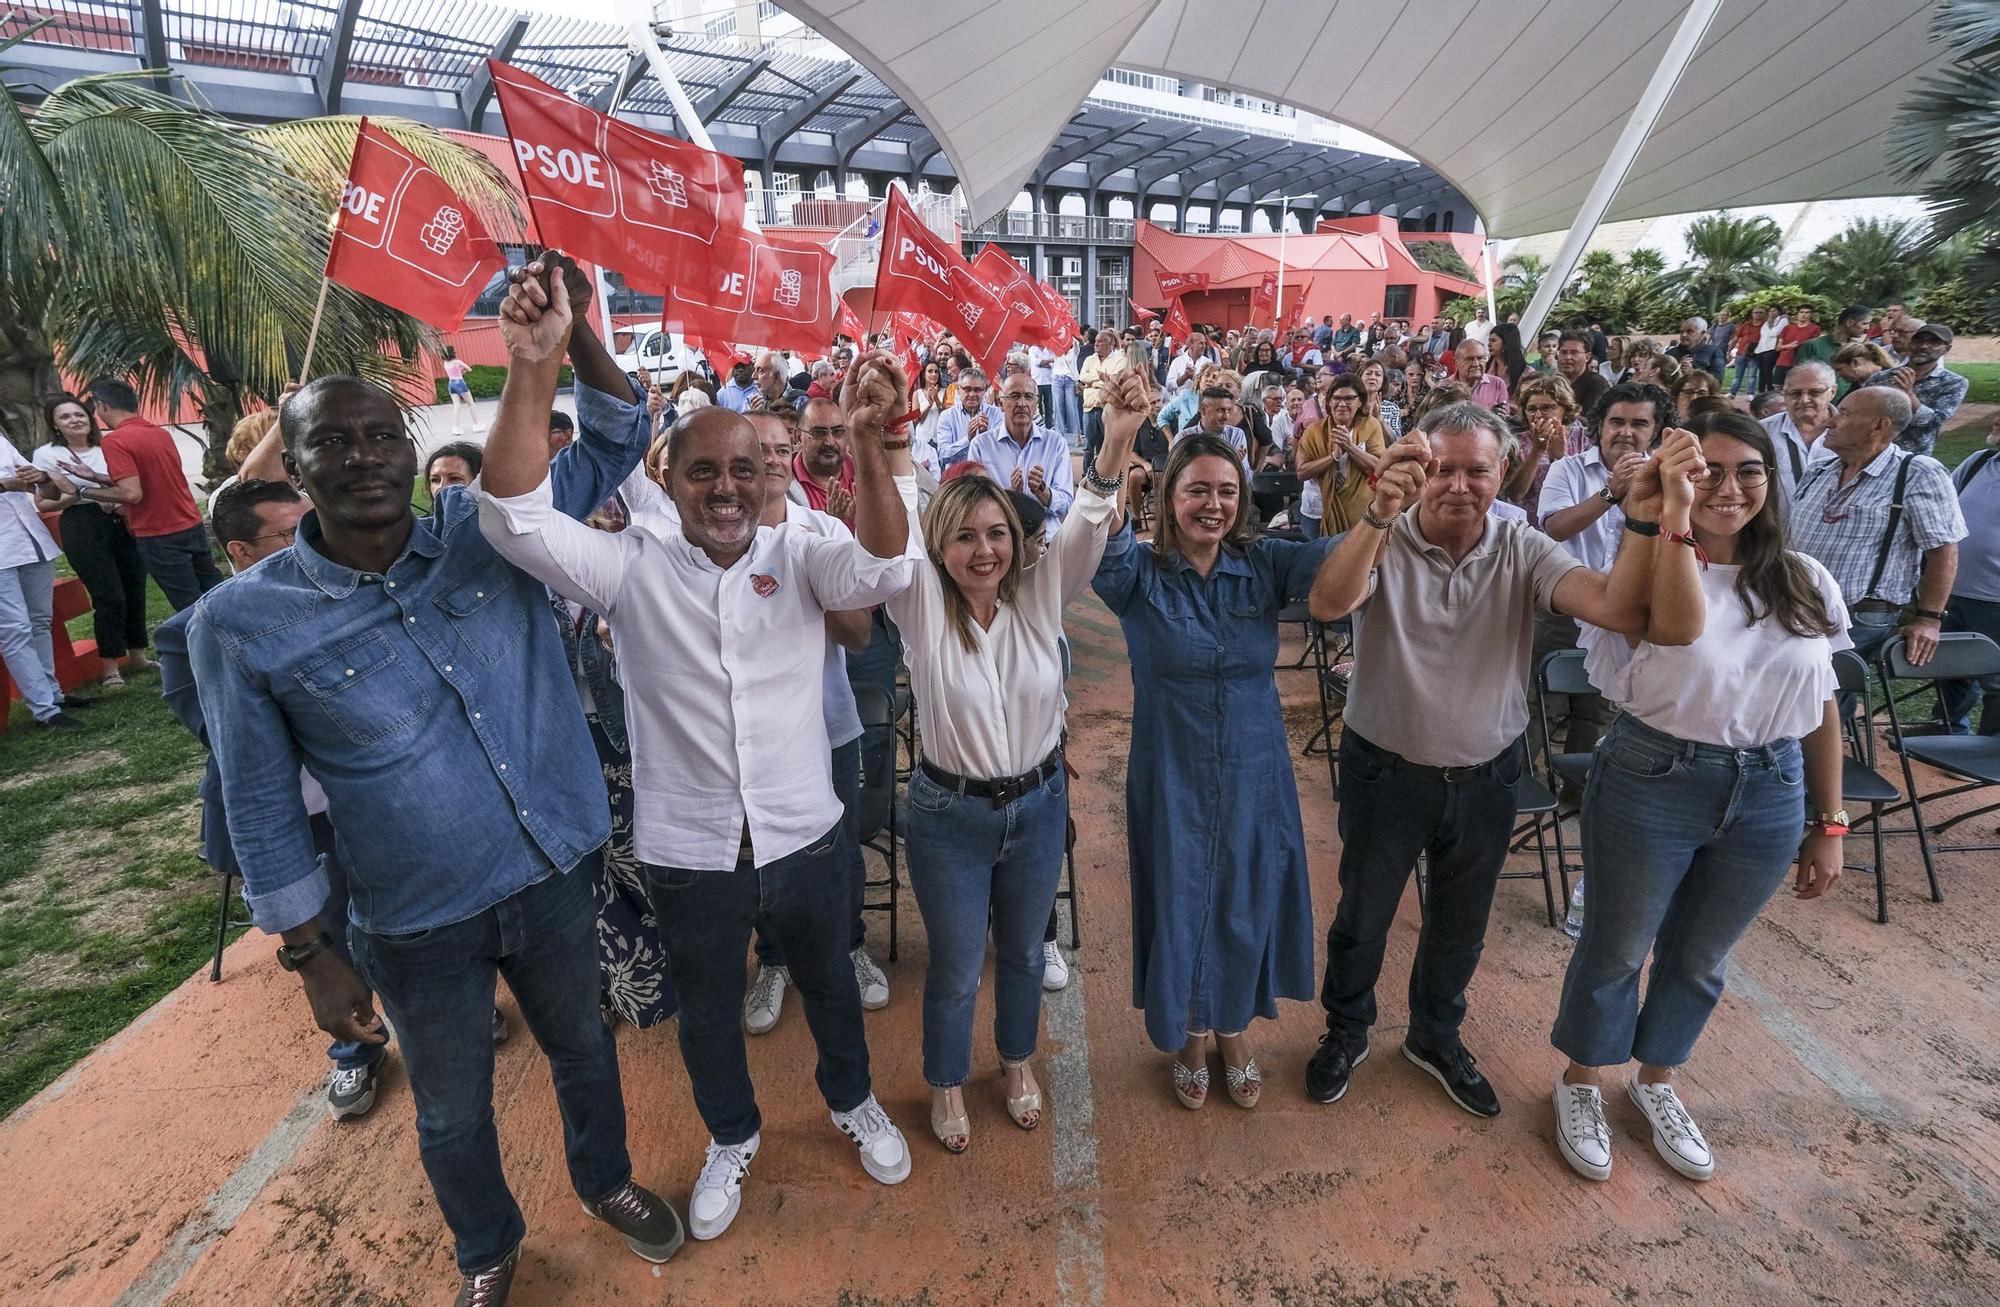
(318, 151)
(38, 227)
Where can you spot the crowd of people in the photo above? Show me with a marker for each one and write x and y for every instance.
(594, 723)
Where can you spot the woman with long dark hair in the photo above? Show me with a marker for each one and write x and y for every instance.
(1375, 402)
(1221, 902)
(94, 536)
(1505, 355)
(1727, 749)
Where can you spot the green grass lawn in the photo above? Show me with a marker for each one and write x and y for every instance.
(104, 903)
(1984, 379)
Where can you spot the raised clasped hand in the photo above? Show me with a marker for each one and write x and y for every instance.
(534, 326)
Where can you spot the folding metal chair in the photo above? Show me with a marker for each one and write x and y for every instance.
(1068, 893)
(1859, 781)
(1561, 672)
(223, 925)
(1532, 800)
(1973, 760)
(875, 818)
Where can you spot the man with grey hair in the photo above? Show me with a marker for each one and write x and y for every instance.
(1694, 349)
(1444, 600)
(967, 420)
(1885, 522)
(1796, 431)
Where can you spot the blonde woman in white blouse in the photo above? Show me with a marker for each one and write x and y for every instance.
(1722, 772)
(989, 800)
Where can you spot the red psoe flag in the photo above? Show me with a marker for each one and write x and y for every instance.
(1011, 282)
(922, 271)
(1265, 298)
(1177, 323)
(1056, 305)
(1173, 285)
(654, 208)
(405, 238)
(1141, 314)
(848, 322)
(759, 292)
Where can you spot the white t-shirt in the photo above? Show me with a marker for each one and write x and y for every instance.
(1741, 685)
(1042, 361)
(50, 458)
(1767, 335)
(1479, 331)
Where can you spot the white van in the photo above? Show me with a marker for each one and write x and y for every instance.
(659, 353)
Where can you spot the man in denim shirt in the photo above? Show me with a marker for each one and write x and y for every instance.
(416, 675)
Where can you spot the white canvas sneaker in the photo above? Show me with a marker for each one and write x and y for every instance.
(718, 1191)
(1581, 1134)
(884, 1153)
(1676, 1137)
(766, 1000)
(1055, 970)
(868, 977)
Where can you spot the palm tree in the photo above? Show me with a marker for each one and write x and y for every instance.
(1872, 261)
(154, 241)
(1947, 139)
(1728, 255)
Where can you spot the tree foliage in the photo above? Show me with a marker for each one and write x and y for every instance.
(1946, 140)
(1873, 261)
(1727, 256)
(159, 242)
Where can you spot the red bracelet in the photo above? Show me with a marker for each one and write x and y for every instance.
(902, 424)
(1687, 538)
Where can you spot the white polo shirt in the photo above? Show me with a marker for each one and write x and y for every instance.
(1570, 481)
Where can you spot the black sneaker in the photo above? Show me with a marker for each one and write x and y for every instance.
(61, 721)
(1332, 1063)
(500, 1030)
(489, 1288)
(351, 1092)
(650, 1225)
(1455, 1070)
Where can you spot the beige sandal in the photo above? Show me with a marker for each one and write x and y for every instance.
(954, 1132)
(1027, 1109)
(1246, 1082)
(1191, 1083)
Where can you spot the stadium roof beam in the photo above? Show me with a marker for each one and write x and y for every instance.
(725, 91)
(1062, 156)
(1204, 151)
(478, 92)
(331, 76)
(1193, 180)
(1102, 170)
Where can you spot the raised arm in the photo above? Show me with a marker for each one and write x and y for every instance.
(1344, 576)
(1653, 590)
(875, 396)
(593, 362)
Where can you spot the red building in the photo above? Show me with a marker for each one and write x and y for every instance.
(1360, 266)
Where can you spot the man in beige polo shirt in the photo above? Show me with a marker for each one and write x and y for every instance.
(1444, 600)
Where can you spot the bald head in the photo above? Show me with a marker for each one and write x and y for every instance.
(1869, 420)
(716, 478)
(324, 398)
(713, 428)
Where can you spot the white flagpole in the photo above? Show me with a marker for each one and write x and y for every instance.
(639, 25)
(1278, 311)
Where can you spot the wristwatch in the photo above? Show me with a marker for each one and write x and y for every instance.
(1609, 498)
(1934, 614)
(291, 957)
(1831, 823)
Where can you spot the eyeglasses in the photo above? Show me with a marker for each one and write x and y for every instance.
(1817, 392)
(1544, 408)
(1022, 399)
(827, 433)
(1749, 476)
(288, 535)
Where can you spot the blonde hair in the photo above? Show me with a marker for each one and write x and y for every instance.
(950, 506)
(656, 458)
(243, 437)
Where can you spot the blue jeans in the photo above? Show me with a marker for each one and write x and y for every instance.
(27, 609)
(180, 564)
(436, 988)
(970, 861)
(876, 665)
(1744, 362)
(1959, 697)
(1388, 816)
(802, 900)
(1309, 527)
(1683, 845)
(1069, 407)
(847, 784)
(347, 1054)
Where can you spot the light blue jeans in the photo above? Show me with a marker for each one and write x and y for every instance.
(1069, 407)
(971, 862)
(1683, 845)
(27, 607)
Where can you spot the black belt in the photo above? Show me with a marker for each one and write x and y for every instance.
(1449, 775)
(1875, 606)
(1002, 790)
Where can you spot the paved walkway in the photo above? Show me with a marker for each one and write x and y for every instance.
(1849, 1083)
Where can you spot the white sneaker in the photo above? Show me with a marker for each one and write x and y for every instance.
(1676, 1137)
(1055, 971)
(1581, 1134)
(884, 1154)
(766, 999)
(718, 1190)
(873, 984)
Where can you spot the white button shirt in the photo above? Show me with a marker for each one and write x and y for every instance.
(23, 538)
(1571, 481)
(1794, 454)
(996, 710)
(722, 670)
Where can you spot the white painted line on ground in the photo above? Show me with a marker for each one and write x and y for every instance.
(1072, 1105)
(230, 1200)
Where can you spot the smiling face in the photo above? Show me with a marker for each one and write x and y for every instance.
(1205, 501)
(716, 478)
(971, 393)
(979, 553)
(1725, 508)
(1627, 429)
(346, 444)
(72, 424)
(1466, 481)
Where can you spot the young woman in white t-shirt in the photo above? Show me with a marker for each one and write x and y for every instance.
(1722, 771)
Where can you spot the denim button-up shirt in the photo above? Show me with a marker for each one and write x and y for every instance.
(432, 702)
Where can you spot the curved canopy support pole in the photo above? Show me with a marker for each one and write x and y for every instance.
(1645, 114)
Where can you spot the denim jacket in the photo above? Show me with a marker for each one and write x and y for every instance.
(589, 659)
(432, 703)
